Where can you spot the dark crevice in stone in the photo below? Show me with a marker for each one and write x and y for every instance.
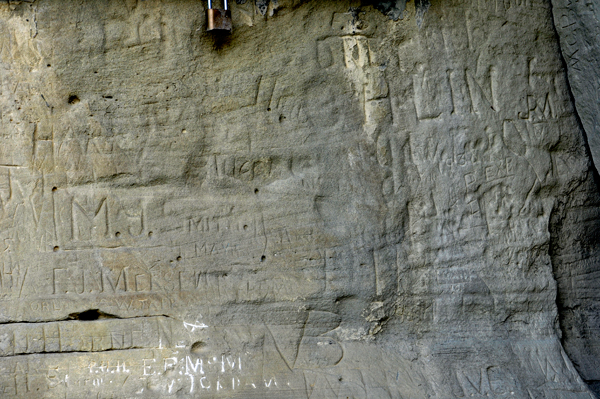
(262, 6)
(595, 387)
(421, 7)
(30, 322)
(91, 314)
(88, 315)
(394, 9)
(76, 352)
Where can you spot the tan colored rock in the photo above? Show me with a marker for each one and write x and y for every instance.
(329, 203)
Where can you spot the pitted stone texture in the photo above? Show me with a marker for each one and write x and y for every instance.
(326, 204)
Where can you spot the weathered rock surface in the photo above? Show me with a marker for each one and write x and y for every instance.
(578, 25)
(329, 203)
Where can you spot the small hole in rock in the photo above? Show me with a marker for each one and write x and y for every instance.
(54, 188)
(178, 258)
(197, 347)
(256, 191)
(268, 109)
(150, 234)
(118, 234)
(91, 314)
(48, 65)
(263, 258)
(245, 227)
(56, 248)
(73, 99)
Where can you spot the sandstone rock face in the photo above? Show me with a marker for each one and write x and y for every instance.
(328, 203)
(578, 25)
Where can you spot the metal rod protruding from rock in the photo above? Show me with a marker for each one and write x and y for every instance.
(224, 3)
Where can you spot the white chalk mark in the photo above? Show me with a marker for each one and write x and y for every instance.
(194, 327)
(191, 367)
(202, 383)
